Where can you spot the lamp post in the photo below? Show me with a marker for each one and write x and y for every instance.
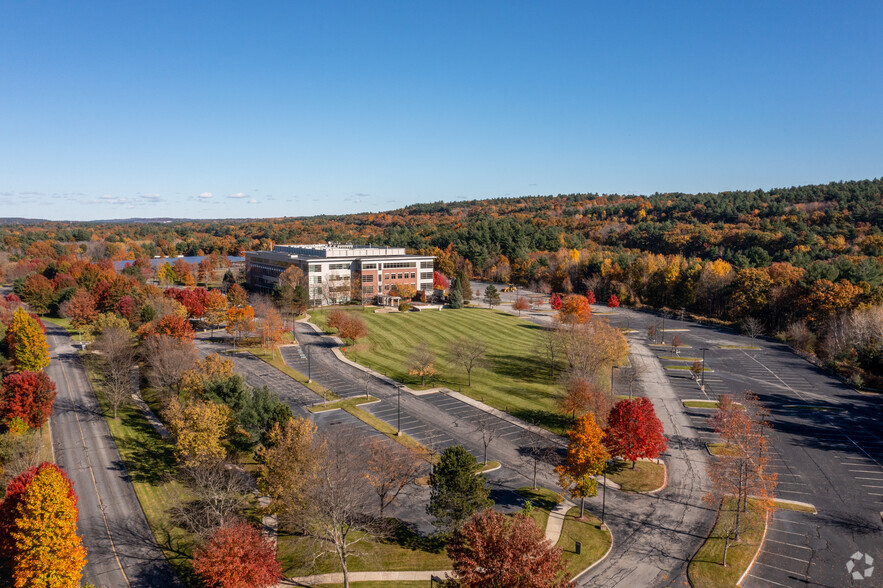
(702, 384)
(612, 367)
(663, 328)
(309, 365)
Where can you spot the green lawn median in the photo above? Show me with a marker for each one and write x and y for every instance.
(645, 477)
(706, 569)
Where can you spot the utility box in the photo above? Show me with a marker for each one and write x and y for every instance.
(579, 548)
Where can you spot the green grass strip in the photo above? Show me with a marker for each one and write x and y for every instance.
(342, 404)
(706, 569)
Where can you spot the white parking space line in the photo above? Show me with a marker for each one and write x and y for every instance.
(767, 581)
(790, 544)
(785, 556)
(789, 532)
(787, 571)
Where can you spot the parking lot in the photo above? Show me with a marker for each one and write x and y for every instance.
(826, 446)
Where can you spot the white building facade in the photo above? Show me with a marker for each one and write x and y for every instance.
(338, 273)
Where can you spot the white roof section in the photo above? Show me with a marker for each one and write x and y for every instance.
(338, 250)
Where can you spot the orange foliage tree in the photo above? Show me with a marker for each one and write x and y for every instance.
(491, 549)
(575, 309)
(38, 529)
(240, 321)
(586, 458)
(237, 556)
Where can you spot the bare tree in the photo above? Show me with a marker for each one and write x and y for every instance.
(467, 353)
(221, 492)
(168, 358)
(337, 516)
(489, 427)
(548, 347)
(19, 452)
(536, 450)
(421, 362)
(117, 355)
(591, 347)
(391, 469)
(752, 326)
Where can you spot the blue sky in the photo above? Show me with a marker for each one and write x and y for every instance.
(259, 109)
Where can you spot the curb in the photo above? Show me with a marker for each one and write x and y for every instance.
(766, 527)
(664, 481)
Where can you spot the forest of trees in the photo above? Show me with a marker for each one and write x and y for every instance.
(803, 262)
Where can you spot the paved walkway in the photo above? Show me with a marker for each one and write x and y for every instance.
(556, 521)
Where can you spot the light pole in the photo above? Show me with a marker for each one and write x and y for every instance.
(702, 385)
(663, 328)
(309, 365)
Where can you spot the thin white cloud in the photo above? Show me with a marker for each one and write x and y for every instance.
(206, 195)
(238, 195)
(252, 201)
(152, 197)
(111, 199)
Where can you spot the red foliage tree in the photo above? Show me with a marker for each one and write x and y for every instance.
(634, 431)
(492, 549)
(192, 299)
(237, 557)
(353, 328)
(440, 281)
(590, 296)
(28, 395)
(613, 302)
(128, 309)
(555, 302)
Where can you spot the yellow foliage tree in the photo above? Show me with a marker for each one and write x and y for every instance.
(26, 341)
(199, 428)
(586, 458)
(291, 462)
(240, 320)
(46, 550)
(213, 367)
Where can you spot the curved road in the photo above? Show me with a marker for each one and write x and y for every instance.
(121, 549)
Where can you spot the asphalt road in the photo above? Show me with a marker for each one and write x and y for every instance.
(655, 534)
(121, 549)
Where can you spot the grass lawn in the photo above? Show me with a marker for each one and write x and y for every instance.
(595, 542)
(543, 501)
(700, 403)
(706, 570)
(645, 477)
(150, 463)
(719, 449)
(341, 404)
(514, 379)
(402, 550)
(787, 505)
